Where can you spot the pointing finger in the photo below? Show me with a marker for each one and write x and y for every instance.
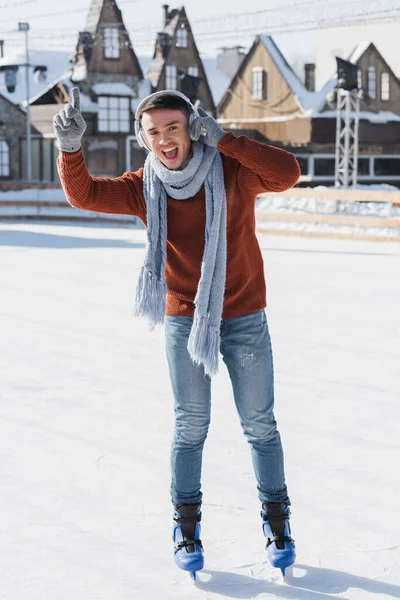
(76, 98)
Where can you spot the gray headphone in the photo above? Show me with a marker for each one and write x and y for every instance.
(194, 113)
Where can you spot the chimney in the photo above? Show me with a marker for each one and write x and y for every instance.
(309, 76)
(230, 59)
(1, 48)
(165, 14)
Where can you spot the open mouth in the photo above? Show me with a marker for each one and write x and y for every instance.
(171, 153)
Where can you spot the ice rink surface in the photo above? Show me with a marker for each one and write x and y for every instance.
(86, 423)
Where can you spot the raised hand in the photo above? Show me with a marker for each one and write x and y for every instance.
(206, 130)
(69, 125)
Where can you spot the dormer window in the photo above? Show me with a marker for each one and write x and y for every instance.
(181, 37)
(111, 42)
(4, 159)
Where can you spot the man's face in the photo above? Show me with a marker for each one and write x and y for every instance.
(166, 132)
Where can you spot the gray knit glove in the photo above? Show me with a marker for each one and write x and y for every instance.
(207, 131)
(69, 125)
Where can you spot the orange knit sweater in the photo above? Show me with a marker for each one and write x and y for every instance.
(250, 168)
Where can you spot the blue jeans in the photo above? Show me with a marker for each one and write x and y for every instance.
(246, 350)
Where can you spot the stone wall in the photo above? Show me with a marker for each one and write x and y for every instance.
(12, 129)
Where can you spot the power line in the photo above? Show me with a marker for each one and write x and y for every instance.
(60, 13)
(3, 6)
(304, 25)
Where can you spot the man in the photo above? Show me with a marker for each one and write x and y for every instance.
(203, 276)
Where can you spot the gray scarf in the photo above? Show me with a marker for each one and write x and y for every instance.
(205, 167)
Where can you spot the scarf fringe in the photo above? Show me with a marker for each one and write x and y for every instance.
(150, 298)
(203, 344)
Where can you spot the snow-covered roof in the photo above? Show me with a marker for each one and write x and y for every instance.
(217, 80)
(341, 41)
(372, 117)
(311, 102)
(93, 17)
(56, 63)
(64, 78)
(113, 88)
(86, 103)
(359, 51)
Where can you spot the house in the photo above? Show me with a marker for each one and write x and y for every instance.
(109, 76)
(12, 131)
(267, 100)
(341, 41)
(111, 81)
(13, 105)
(176, 63)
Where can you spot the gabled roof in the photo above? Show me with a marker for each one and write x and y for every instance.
(94, 14)
(163, 45)
(308, 102)
(362, 48)
(56, 62)
(342, 41)
(164, 41)
(92, 25)
(359, 50)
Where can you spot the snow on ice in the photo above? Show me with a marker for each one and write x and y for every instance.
(86, 423)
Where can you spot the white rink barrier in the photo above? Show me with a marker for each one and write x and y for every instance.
(49, 204)
(325, 212)
(317, 212)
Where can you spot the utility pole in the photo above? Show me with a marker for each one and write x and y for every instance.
(25, 27)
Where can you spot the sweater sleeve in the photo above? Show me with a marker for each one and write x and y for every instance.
(263, 168)
(120, 195)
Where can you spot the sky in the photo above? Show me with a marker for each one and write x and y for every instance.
(215, 25)
(142, 17)
(86, 425)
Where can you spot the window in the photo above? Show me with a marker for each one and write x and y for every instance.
(181, 37)
(111, 42)
(170, 77)
(363, 166)
(324, 166)
(4, 159)
(114, 114)
(303, 163)
(385, 91)
(372, 82)
(193, 70)
(387, 166)
(259, 84)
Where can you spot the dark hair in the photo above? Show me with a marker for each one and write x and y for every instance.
(164, 101)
